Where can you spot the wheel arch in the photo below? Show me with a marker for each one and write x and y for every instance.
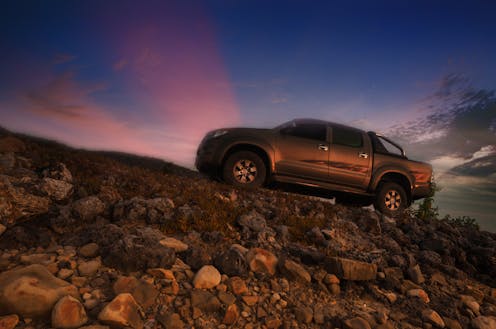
(259, 150)
(395, 177)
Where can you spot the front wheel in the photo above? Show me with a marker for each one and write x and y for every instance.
(391, 199)
(244, 169)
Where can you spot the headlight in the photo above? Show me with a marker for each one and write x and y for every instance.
(219, 133)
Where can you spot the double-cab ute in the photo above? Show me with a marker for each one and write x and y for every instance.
(320, 154)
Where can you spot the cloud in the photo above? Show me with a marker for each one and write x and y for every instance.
(120, 65)
(62, 58)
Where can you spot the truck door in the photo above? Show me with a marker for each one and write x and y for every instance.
(350, 157)
(303, 151)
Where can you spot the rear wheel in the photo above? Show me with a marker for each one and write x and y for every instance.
(244, 169)
(391, 199)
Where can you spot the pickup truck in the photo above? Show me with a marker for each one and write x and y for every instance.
(319, 154)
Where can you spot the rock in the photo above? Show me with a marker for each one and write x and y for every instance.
(205, 301)
(88, 208)
(261, 261)
(175, 244)
(10, 144)
(331, 279)
(65, 273)
(58, 171)
(89, 268)
(89, 250)
(132, 252)
(420, 293)
(95, 326)
(432, 317)
(250, 300)
(304, 314)
(352, 270)
(121, 312)
(318, 315)
(2, 229)
(9, 321)
(252, 221)
(16, 204)
(471, 304)
(7, 162)
(294, 271)
(238, 285)
(232, 262)
(68, 313)
(171, 321)
(226, 298)
(416, 274)
(153, 211)
(273, 322)
(143, 292)
(32, 291)
(43, 259)
(356, 323)
(57, 189)
(484, 322)
(196, 258)
(207, 277)
(451, 324)
(231, 315)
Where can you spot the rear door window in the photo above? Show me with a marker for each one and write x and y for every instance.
(308, 130)
(346, 137)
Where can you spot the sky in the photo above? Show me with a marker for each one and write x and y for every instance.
(152, 77)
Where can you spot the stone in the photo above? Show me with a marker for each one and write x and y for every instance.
(237, 285)
(432, 317)
(43, 259)
(128, 252)
(419, 293)
(273, 322)
(416, 275)
(252, 221)
(294, 271)
(352, 270)
(89, 250)
(171, 321)
(121, 312)
(196, 258)
(250, 300)
(231, 315)
(232, 262)
(57, 189)
(9, 321)
(207, 277)
(471, 304)
(58, 171)
(318, 315)
(7, 162)
(261, 261)
(356, 323)
(331, 279)
(143, 292)
(89, 268)
(205, 301)
(226, 298)
(484, 322)
(3, 228)
(88, 208)
(68, 313)
(451, 323)
(32, 291)
(304, 314)
(65, 273)
(175, 244)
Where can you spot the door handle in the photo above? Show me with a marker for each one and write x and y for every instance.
(323, 147)
(363, 155)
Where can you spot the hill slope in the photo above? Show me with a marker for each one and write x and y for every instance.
(142, 243)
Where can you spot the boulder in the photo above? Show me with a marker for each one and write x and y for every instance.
(207, 277)
(88, 208)
(175, 244)
(68, 313)
(32, 291)
(261, 261)
(122, 312)
(143, 292)
(349, 269)
(57, 189)
(232, 262)
(294, 271)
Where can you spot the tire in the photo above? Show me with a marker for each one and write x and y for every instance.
(244, 169)
(391, 199)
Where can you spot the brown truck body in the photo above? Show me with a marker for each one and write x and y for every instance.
(314, 153)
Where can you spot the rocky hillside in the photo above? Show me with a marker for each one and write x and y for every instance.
(104, 240)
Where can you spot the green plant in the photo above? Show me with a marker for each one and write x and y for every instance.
(465, 221)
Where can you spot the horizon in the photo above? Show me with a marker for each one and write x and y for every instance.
(153, 78)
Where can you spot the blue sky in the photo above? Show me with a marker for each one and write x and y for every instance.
(151, 77)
